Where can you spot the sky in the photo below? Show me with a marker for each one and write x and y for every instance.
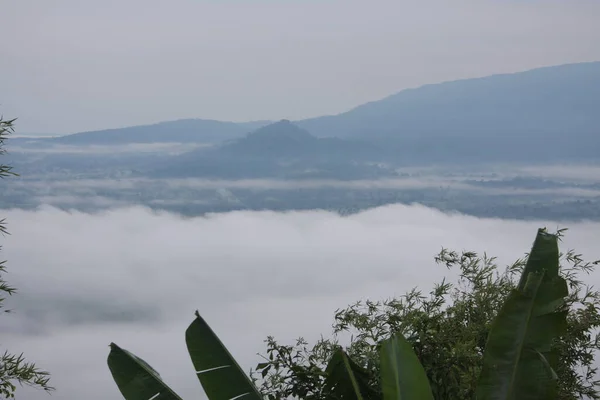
(135, 277)
(72, 65)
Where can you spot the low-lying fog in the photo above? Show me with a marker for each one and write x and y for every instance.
(136, 277)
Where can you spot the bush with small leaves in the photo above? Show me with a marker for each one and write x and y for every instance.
(448, 330)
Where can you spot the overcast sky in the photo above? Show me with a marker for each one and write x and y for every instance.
(135, 277)
(72, 65)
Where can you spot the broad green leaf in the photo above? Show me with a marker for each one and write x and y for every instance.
(518, 361)
(402, 375)
(347, 380)
(135, 378)
(218, 372)
(543, 256)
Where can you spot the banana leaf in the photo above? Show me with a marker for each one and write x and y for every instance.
(402, 375)
(346, 380)
(135, 378)
(518, 362)
(543, 256)
(218, 372)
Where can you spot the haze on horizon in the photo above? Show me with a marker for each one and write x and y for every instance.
(72, 66)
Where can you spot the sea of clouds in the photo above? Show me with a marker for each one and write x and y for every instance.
(135, 277)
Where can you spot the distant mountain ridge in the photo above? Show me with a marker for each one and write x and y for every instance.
(551, 100)
(541, 115)
(180, 131)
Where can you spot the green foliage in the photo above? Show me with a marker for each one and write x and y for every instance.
(220, 375)
(14, 369)
(135, 378)
(218, 372)
(518, 355)
(402, 375)
(515, 355)
(448, 331)
(6, 128)
(344, 379)
(518, 359)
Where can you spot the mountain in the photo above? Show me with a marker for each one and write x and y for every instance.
(285, 140)
(542, 115)
(181, 131)
(282, 150)
(546, 101)
(280, 140)
(545, 115)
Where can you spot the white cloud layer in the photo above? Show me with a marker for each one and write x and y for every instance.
(135, 277)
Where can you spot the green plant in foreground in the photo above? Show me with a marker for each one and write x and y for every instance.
(448, 330)
(519, 360)
(14, 369)
(218, 372)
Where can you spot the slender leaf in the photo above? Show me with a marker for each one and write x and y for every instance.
(218, 372)
(518, 361)
(347, 380)
(135, 378)
(402, 375)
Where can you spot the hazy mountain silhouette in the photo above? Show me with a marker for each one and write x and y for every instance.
(542, 115)
(281, 139)
(558, 100)
(553, 101)
(281, 149)
(180, 131)
(285, 140)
